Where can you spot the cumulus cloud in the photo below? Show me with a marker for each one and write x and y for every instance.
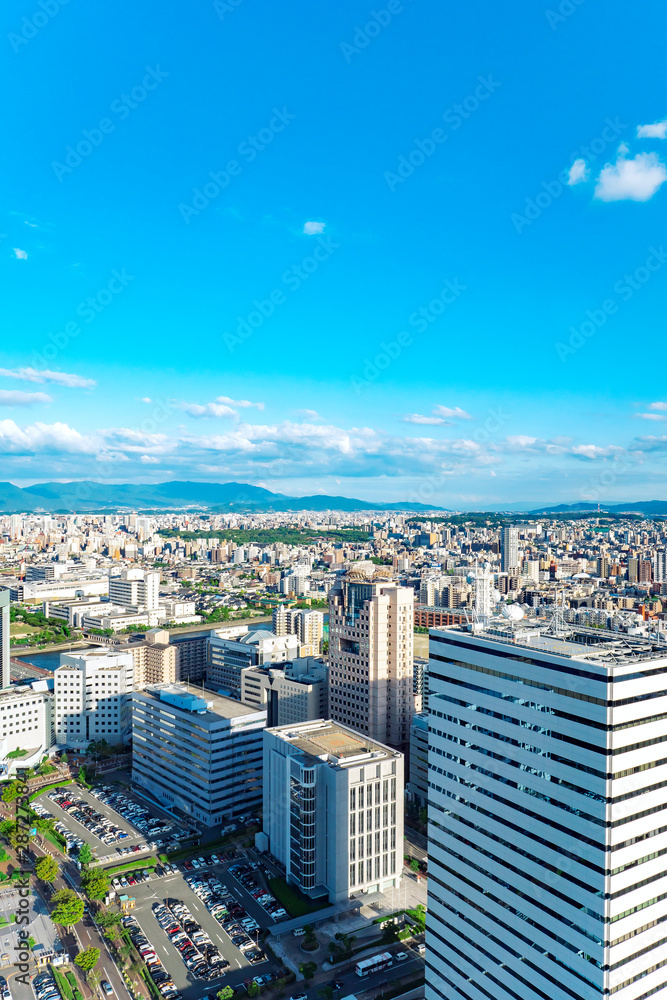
(313, 228)
(20, 254)
(45, 375)
(578, 173)
(309, 414)
(658, 130)
(39, 437)
(149, 460)
(657, 406)
(14, 397)
(634, 179)
(651, 416)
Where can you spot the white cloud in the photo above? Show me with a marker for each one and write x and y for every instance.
(313, 228)
(578, 173)
(20, 254)
(149, 460)
(14, 397)
(635, 179)
(451, 411)
(45, 375)
(651, 416)
(419, 418)
(658, 130)
(657, 406)
(309, 414)
(40, 437)
(145, 399)
(222, 406)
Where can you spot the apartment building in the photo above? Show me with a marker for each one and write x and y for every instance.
(135, 589)
(371, 657)
(308, 626)
(333, 809)
(5, 672)
(547, 789)
(196, 752)
(91, 691)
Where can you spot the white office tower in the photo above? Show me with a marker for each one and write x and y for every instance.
(371, 622)
(509, 548)
(333, 809)
(26, 724)
(547, 783)
(660, 567)
(4, 638)
(92, 692)
(135, 589)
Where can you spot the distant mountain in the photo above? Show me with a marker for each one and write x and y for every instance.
(648, 507)
(91, 497)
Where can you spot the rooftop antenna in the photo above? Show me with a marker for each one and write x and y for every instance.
(558, 625)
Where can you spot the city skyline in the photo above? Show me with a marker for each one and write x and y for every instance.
(304, 270)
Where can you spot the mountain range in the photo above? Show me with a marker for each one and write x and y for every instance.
(91, 497)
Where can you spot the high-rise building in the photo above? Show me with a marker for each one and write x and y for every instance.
(4, 638)
(660, 567)
(509, 548)
(228, 657)
(370, 657)
(135, 589)
(547, 794)
(196, 752)
(333, 809)
(92, 691)
(418, 759)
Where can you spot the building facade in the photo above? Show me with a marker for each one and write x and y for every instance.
(4, 639)
(227, 657)
(196, 752)
(91, 698)
(26, 724)
(294, 692)
(333, 809)
(371, 658)
(509, 548)
(547, 791)
(418, 760)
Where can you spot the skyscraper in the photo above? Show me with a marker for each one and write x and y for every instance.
(4, 638)
(509, 548)
(370, 657)
(547, 803)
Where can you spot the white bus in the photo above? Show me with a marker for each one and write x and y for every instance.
(375, 964)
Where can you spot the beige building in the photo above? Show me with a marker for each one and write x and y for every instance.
(371, 657)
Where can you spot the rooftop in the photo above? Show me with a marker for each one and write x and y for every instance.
(577, 642)
(332, 742)
(195, 699)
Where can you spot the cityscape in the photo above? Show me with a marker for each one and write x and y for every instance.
(333, 501)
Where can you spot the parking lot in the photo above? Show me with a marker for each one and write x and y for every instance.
(111, 821)
(172, 890)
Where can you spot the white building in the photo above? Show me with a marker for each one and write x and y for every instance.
(509, 548)
(5, 674)
(135, 589)
(92, 692)
(333, 809)
(26, 724)
(547, 785)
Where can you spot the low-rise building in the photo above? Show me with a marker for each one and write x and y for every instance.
(227, 657)
(333, 809)
(196, 752)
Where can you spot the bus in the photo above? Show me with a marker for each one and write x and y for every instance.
(375, 964)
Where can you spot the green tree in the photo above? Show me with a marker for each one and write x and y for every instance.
(95, 883)
(389, 933)
(85, 854)
(253, 988)
(46, 869)
(67, 909)
(226, 993)
(82, 773)
(308, 969)
(31, 942)
(88, 959)
(10, 791)
(414, 865)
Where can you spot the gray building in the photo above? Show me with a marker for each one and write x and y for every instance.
(419, 759)
(4, 638)
(420, 683)
(333, 809)
(296, 691)
(226, 658)
(509, 548)
(198, 753)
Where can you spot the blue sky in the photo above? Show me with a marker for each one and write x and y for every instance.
(424, 243)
